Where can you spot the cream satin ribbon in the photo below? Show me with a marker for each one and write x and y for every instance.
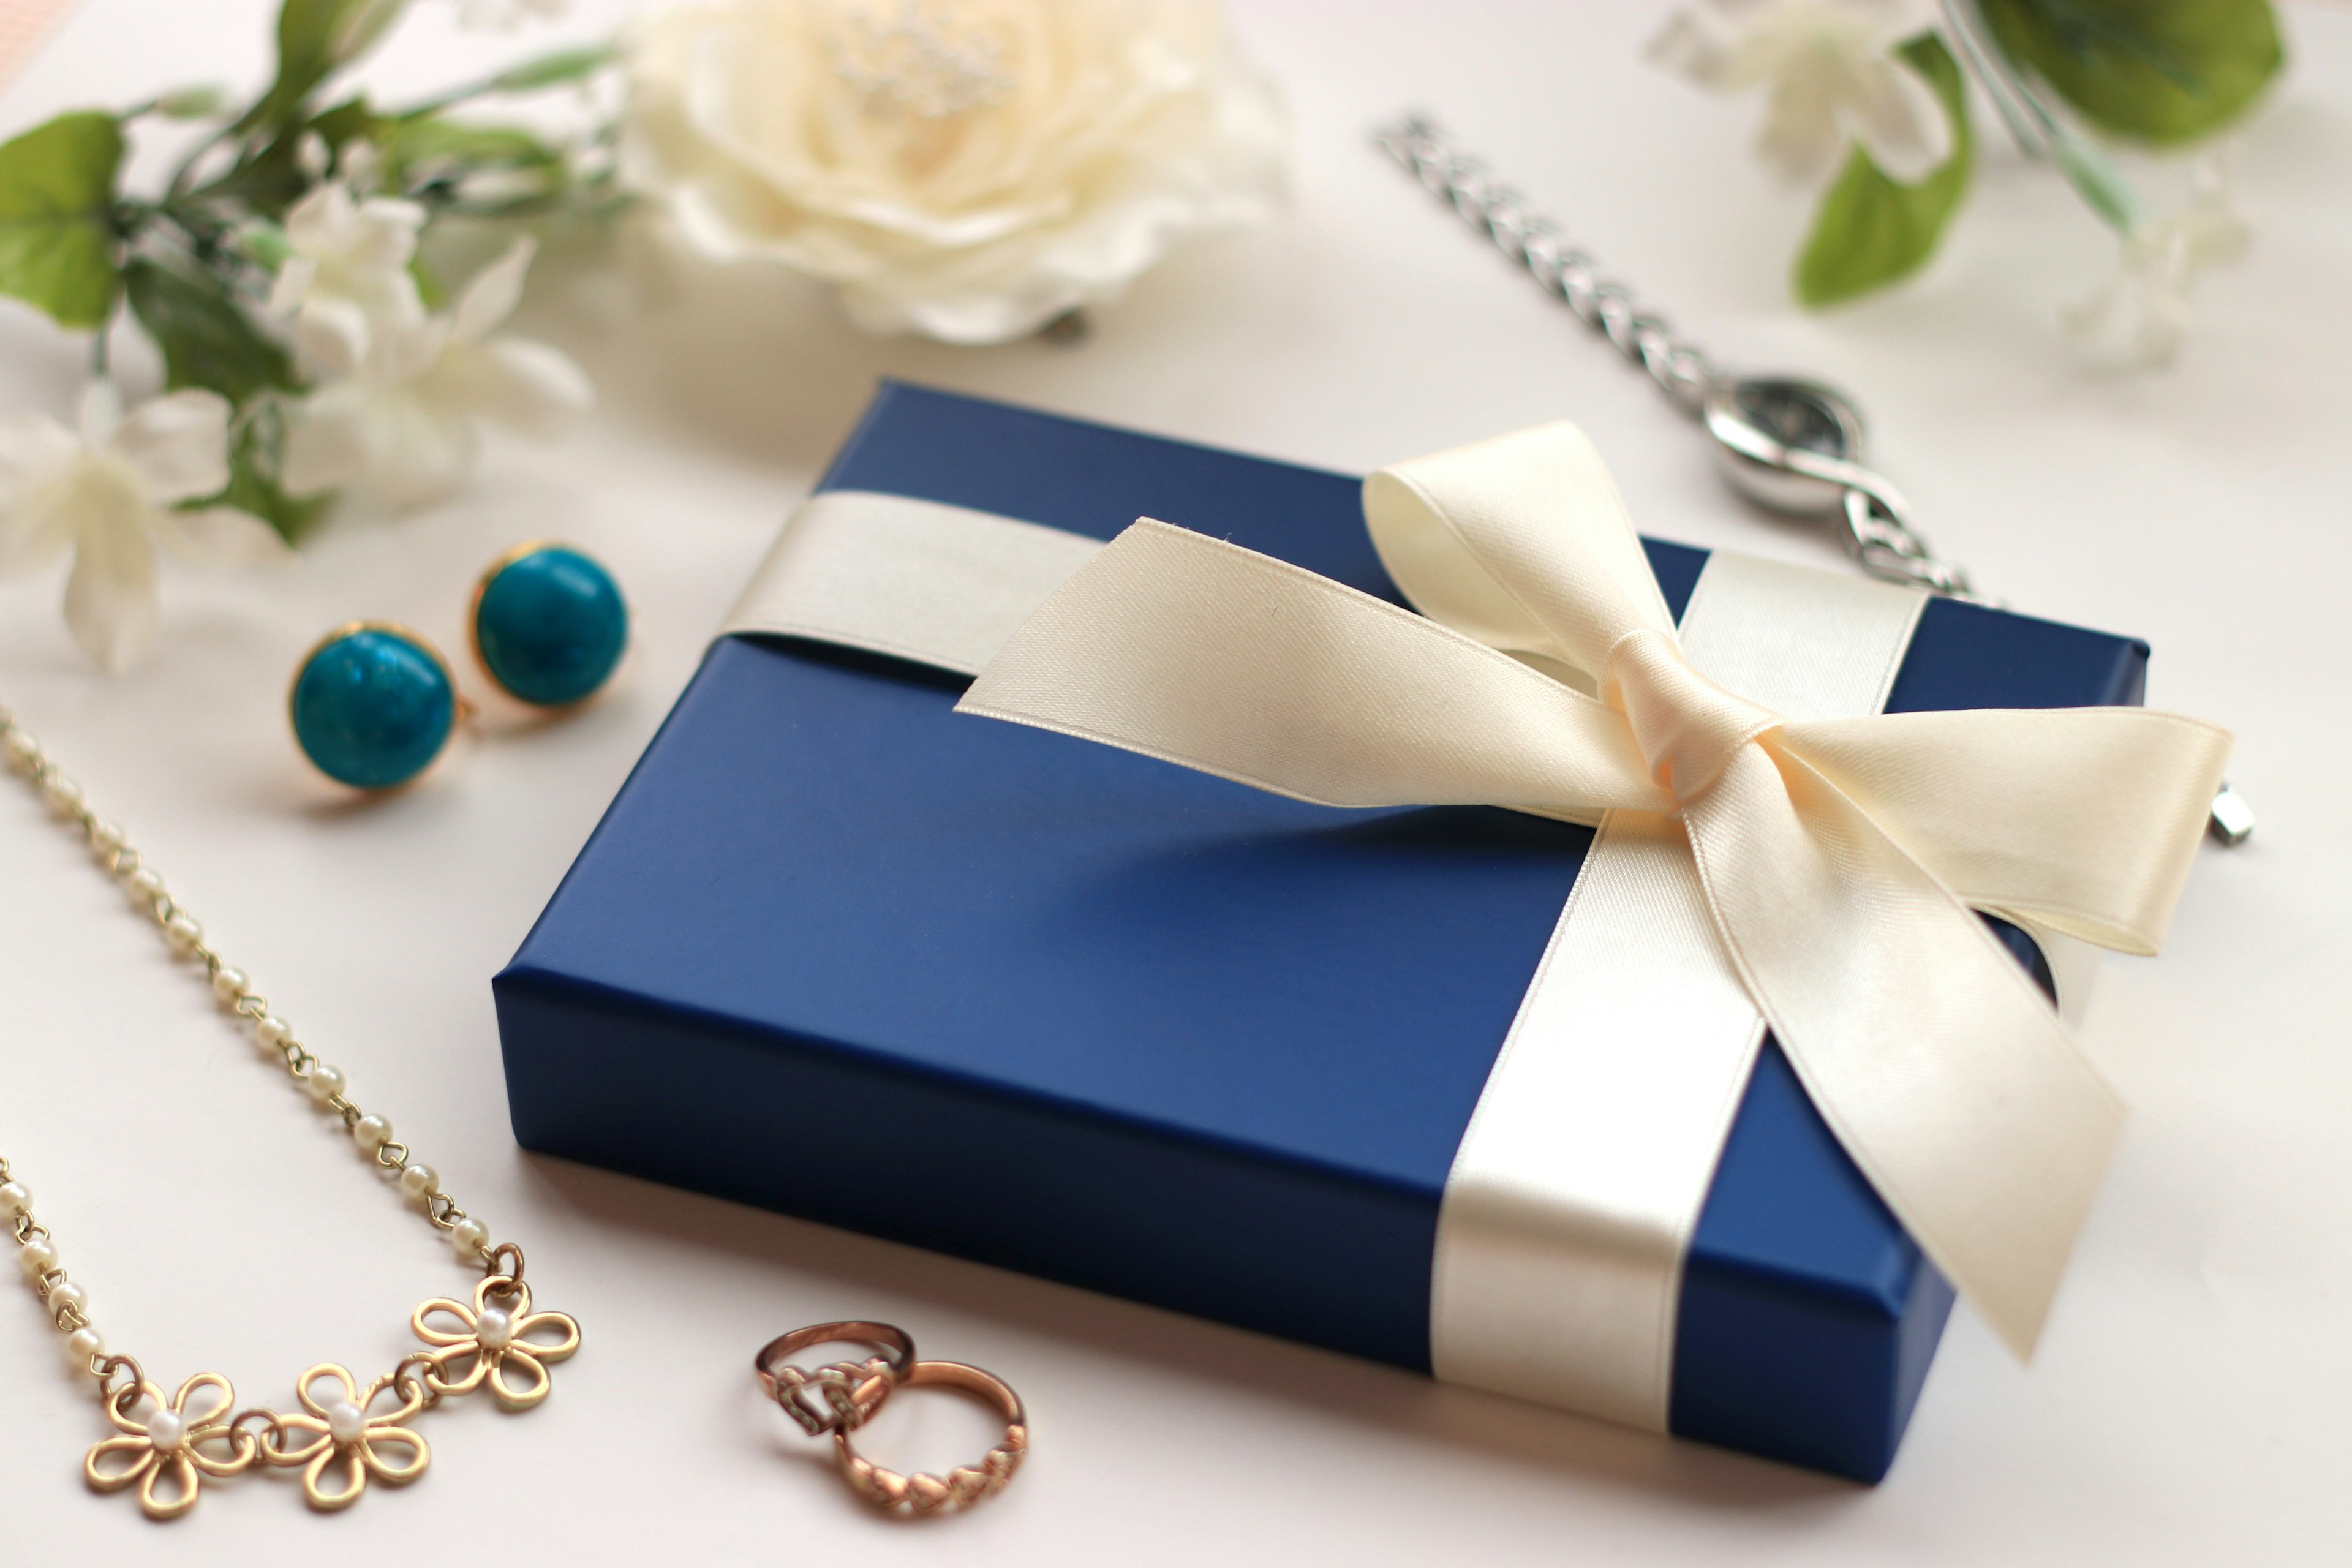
(1838, 859)
(1572, 1198)
(943, 586)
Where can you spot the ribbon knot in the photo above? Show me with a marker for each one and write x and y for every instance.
(1686, 726)
(1840, 861)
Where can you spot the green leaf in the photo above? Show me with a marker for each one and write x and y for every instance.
(351, 120)
(2159, 71)
(56, 226)
(1872, 230)
(206, 339)
(253, 484)
(553, 70)
(421, 148)
(435, 160)
(316, 38)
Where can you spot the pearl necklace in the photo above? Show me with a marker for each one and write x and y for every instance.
(170, 1448)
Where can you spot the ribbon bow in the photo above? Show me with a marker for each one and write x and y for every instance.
(1841, 859)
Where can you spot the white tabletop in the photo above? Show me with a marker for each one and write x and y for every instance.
(2189, 1403)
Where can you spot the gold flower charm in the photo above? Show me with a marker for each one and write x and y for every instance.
(166, 1451)
(342, 1429)
(495, 1343)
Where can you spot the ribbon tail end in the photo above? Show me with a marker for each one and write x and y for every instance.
(2015, 1297)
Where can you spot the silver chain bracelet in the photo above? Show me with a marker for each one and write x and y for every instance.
(1794, 446)
(1790, 444)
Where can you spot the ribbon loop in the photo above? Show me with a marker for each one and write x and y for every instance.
(1454, 530)
(1838, 857)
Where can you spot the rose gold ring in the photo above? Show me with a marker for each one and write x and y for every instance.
(837, 1397)
(966, 1484)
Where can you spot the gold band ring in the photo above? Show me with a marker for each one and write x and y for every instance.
(839, 1396)
(966, 1484)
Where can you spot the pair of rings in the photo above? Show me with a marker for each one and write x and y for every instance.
(839, 1398)
(374, 704)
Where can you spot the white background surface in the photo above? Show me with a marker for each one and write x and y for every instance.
(2192, 1402)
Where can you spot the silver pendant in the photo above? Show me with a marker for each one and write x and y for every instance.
(1795, 447)
(1783, 443)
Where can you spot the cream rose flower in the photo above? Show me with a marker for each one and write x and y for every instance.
(967, 169)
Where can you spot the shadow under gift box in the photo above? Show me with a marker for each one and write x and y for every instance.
(836, 950)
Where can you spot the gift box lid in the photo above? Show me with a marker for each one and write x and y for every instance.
(836, 950)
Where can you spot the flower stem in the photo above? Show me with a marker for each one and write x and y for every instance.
(186, 170)
(2039, 130)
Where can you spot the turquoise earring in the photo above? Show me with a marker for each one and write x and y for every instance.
(374, 704)
(548, 624)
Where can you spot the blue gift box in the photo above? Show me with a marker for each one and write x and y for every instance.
(836, 950)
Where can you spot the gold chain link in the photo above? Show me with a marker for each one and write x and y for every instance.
(185, 935)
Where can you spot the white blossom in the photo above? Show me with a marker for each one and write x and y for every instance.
(403, 422)
(107, 493)
(2142, 314)
(1834, 75)
(348, 281)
